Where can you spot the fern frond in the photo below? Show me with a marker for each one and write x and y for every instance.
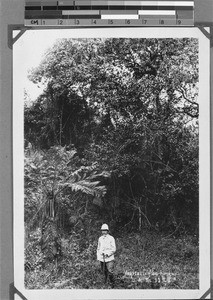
(95, 175)
(87, 187)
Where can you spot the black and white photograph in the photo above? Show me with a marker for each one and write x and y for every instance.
(113, 141)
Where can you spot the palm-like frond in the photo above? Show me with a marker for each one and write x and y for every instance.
(87, 187)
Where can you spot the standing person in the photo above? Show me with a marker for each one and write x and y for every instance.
(105, 254)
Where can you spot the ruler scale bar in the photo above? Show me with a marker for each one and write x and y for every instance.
(119, 17)
(50, 14)
(157, 12)
(66, 3)
(104, 22)
(182, 14)
(109, 7)
(49, 3)
(33, 8)
(85, 17)
(82, 12)
(109, 13)
(158, 17)
(117, 12)
(67, 7)
(111, 3)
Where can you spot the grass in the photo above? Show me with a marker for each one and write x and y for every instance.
(143, 261)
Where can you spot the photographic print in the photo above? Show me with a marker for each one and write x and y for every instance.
(111, 164)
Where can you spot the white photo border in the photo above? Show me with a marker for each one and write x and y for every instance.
(204, 165)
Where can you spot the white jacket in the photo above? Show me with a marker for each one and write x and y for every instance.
(106, 245)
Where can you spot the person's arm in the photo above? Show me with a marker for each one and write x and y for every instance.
(99, 245)
(113, 246)
(99, 254)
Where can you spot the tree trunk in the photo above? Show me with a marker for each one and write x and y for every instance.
(139, 218)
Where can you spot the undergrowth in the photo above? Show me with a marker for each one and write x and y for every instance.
(143, 261)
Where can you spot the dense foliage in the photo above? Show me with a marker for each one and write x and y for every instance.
(113, 138)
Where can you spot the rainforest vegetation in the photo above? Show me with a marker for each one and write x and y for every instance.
(113, 138)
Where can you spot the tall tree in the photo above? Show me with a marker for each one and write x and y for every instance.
(130, 105)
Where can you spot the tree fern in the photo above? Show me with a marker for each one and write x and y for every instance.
(50, 174)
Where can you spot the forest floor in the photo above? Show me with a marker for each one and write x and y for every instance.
(148, 260)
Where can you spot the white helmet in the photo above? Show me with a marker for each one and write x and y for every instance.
(104, 227)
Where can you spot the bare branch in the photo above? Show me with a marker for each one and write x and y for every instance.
(182, 91)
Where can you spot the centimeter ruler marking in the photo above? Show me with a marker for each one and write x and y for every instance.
(109, 13)
(108, 22)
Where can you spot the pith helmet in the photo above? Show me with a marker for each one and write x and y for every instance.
(104, 227)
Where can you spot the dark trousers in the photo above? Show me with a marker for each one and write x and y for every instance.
(107, 268)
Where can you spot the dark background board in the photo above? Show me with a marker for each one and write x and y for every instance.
(12, 13)
(203, 11)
